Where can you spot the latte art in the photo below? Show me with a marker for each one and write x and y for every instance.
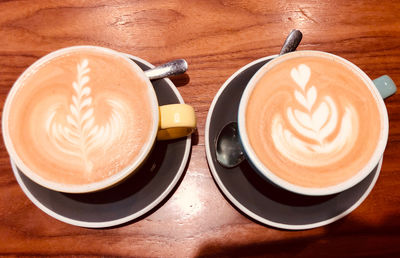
(80, 136)
(315, 123)
(311, 120)
(81, 117)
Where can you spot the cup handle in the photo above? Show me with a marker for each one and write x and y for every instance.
(385, 86)
(176, 121)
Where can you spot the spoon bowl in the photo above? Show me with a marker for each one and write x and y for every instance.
(228, 149)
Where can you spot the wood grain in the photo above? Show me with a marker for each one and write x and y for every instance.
(216, 38)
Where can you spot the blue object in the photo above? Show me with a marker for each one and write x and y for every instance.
(385, 86)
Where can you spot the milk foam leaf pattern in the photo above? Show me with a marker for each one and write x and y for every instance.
(79, 135)
(315, 127)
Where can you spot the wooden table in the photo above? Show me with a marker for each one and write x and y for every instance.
(216, 38)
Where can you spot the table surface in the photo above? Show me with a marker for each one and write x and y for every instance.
(216, 38)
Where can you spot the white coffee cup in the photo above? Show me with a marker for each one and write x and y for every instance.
(385, 86)
(168, 121)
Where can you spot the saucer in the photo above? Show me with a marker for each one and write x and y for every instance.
(256, 197)
(129, 200)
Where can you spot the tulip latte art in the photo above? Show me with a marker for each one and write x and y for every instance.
(312, 121)
(80, 117)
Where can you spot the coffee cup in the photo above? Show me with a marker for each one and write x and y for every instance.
(84, 118)
(314, 123)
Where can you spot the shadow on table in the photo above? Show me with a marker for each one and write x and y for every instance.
(180, 80)
(331, 240)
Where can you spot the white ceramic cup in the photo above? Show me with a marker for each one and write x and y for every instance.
(169, 122)
(385, 86)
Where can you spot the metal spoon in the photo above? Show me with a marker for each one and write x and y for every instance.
(228, 149)
(168, 69)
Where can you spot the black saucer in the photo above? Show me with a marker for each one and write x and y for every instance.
(255, 196)
(132, 198)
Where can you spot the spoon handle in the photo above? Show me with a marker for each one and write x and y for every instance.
(168, 69)
(291, 42)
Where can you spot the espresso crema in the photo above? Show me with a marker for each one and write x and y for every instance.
(80, 117)
(313, 121)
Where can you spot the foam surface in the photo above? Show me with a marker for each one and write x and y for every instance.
(312, 121)
(81, 117)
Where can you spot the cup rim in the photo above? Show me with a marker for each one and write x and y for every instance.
(312, 191)
(91, 187)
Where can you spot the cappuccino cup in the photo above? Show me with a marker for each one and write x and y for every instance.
(84, 118)
(314, 123)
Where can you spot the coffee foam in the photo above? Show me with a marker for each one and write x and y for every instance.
(86, 116)
(307, 121)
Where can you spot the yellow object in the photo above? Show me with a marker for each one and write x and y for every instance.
(176, 120)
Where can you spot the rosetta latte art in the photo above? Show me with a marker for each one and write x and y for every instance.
(80, 136)
(313, 131)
